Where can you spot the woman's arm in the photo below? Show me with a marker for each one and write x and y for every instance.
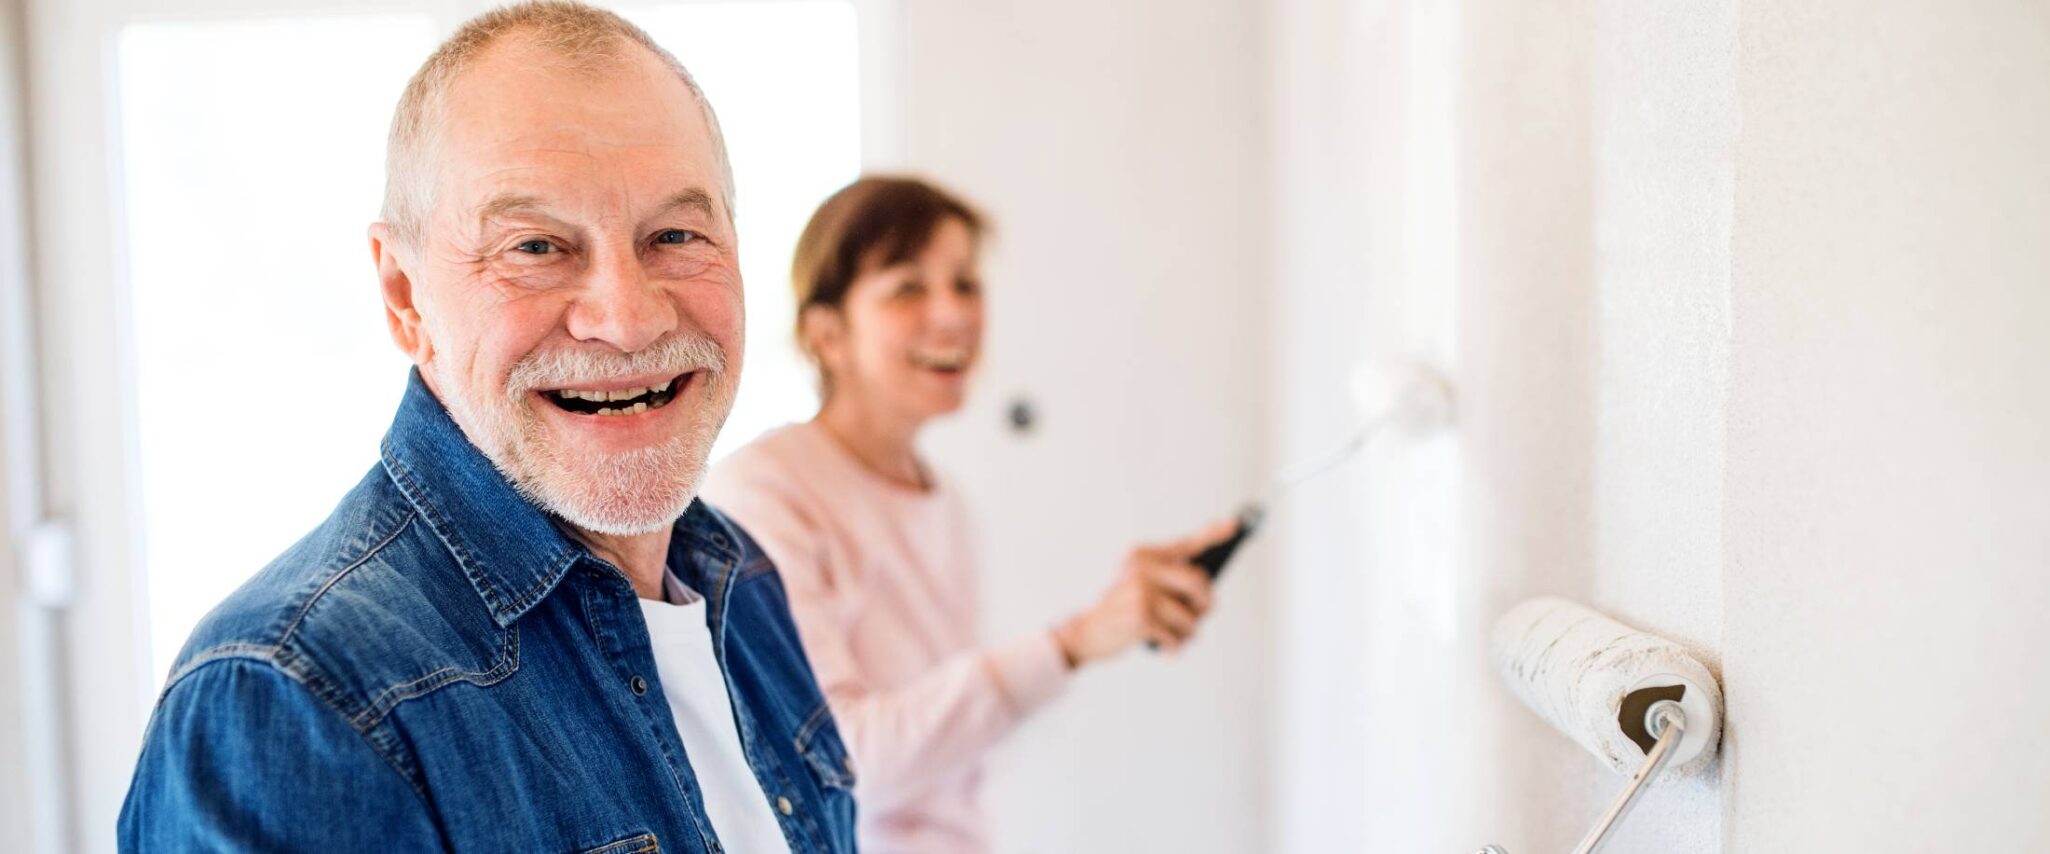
(906, 736)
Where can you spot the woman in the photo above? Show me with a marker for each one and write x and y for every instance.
(875, 548)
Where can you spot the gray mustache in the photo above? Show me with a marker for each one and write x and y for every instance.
(676, 354)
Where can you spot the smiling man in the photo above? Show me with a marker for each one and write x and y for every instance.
(520, 631)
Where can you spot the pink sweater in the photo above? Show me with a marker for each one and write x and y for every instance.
(882, 582)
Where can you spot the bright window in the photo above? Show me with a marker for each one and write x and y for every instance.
(253, 160)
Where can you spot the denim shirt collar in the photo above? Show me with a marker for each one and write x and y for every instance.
(511, 551)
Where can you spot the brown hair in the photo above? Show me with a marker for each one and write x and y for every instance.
(874, 222)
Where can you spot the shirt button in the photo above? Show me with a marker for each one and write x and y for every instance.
(783, 806)
(639, 685)
(716, 847)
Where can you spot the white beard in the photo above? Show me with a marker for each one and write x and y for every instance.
(636, 492)
(625, 494)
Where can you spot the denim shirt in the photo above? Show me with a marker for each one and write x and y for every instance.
(438, 666)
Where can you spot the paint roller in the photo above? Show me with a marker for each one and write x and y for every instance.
(1638, 702)
(1407, 397)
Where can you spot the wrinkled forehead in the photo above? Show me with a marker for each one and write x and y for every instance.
(596, 139)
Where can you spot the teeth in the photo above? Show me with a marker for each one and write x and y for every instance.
(635, 409)
(942, 361)
(609, 396)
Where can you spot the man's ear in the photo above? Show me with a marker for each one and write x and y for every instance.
(401, 315)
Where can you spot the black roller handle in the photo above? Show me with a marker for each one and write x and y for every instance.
(1212, 559)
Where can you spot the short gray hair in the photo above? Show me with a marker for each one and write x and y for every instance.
(586, 36)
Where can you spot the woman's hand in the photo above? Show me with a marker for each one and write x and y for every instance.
(1159, 597)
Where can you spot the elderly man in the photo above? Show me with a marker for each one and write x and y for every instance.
(520, 632)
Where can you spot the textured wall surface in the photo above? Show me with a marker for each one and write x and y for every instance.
(1664, 127)
(1588, 169)
(1750, 348)
(1527, 341)
(1888, 525)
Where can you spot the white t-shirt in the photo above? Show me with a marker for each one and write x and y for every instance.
(696, 691)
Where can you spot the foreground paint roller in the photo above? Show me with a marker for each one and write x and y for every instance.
(1408, 397)
(1635, 700)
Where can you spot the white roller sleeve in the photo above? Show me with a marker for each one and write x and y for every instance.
(1573, 666)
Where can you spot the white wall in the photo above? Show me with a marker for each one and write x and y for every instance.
(1888, 482)
(1526, 293)
(1750, 342)
(1119, 148)
(1664, 123)
(1471, 243)
(1336, 70)
(1598, 184)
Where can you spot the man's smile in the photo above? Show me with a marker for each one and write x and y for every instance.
(617, 402)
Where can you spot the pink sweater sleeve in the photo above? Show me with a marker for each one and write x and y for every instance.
(904, 737)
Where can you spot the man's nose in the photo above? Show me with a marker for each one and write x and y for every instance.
(620, 304)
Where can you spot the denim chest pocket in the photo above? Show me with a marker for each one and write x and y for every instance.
(818, 741)
(642, 844)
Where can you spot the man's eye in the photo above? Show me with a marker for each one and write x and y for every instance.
(676, 236)
(536, 246)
